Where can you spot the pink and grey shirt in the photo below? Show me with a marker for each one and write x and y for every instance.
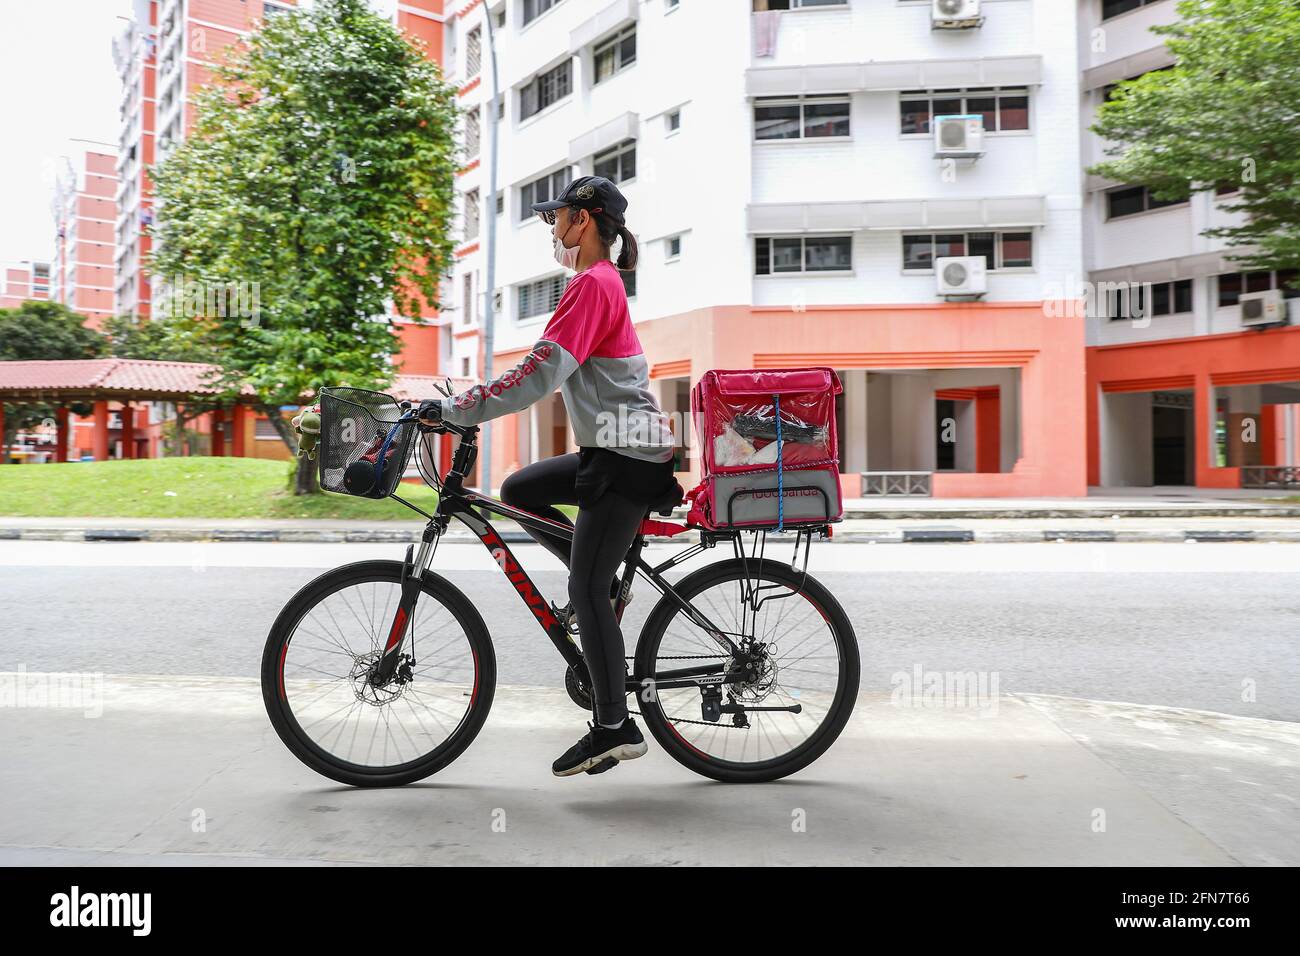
(591, 351)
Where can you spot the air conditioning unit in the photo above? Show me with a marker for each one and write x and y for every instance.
(959, 137)
(955, 14)
(1262, 308)
(960, 275)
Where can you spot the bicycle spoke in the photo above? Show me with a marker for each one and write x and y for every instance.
(803, 669)
(331, 656)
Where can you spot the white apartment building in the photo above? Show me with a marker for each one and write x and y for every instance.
(783, 181)
(1196, 390)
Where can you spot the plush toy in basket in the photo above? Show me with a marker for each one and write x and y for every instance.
(769, 448)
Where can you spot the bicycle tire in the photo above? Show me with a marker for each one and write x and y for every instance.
(301, 745)
(663, 729)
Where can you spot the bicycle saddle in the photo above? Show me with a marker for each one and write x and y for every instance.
(671, 499)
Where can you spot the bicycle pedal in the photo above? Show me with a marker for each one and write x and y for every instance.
(608, 764)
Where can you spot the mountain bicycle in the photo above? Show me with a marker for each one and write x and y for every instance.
(380, 673)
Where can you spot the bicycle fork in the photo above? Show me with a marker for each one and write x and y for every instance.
(413, 569)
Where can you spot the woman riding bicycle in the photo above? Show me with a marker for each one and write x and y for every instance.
(590, 350)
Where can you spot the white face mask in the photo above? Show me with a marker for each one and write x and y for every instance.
(567, 256)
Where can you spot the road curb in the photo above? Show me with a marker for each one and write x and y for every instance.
(403, 536)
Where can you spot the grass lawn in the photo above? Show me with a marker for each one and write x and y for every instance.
(184, 488)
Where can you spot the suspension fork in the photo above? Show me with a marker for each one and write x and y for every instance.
(413, 569)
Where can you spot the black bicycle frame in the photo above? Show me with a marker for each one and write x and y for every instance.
(455, 501)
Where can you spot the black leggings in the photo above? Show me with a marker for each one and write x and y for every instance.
(601, 537)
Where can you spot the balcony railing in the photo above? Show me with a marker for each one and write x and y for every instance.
(909, 484)
(1270, 476)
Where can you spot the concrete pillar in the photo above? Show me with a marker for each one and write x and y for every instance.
(988, 429)
(853, 443)
(239, 425)
(128, 431)
(1203, 425)
(218, 433)
(99, 439)
(61, 434)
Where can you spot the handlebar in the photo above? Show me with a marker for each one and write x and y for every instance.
(440, 428)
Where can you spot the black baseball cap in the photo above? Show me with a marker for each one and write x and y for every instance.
(592, 193)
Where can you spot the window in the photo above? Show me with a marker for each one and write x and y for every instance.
(471, 215)
(1001, 250)
(464, 367)
(467, 311)
(546, 88)
(473, 51)
(1231, 286)
(629, 282)
(614, 55)
(1113, 8)
(670, 5)
(501, 17)
(617, 164)
(802, 118)
(672, 248)
(501, 202)
(796, 4)
(1131, 200)
(673, 121)
(1004, 108)
(540, 297)
(1167, 298)
(779, 255)
(540, 190)
(473, 133)
(535, 8)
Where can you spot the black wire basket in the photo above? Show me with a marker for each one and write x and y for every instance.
(364, 446)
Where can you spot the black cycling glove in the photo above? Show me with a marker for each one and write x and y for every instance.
(430, 410)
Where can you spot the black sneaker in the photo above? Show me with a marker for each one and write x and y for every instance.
(600, 749)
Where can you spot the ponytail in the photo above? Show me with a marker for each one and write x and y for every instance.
(609, 230)
(627, 251)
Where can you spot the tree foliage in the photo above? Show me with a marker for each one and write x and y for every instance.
(43, 331)
(1227, 112)
(157, 339)
(319, 177)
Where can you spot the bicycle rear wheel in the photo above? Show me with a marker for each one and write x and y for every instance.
(806, 657)
(321, 653)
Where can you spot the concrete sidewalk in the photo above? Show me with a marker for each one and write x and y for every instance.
(941, 527)
(188, 770)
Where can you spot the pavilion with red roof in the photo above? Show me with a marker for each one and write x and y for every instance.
(127, 382)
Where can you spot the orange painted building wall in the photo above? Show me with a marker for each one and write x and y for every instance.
(1201, 364)
(1048, 352)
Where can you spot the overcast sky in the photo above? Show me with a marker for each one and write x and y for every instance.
(58, 83)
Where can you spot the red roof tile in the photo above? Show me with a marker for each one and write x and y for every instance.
(111, 375)
(123, 378)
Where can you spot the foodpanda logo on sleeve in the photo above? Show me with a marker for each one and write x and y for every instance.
(76, 909)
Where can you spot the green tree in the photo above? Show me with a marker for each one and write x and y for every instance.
(156, 339)
(38, 330)
(319, 175)
(1228, 112)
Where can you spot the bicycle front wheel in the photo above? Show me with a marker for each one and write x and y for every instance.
(801, 662)
(320, 658)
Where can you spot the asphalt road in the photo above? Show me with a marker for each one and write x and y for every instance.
(1206, 626)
